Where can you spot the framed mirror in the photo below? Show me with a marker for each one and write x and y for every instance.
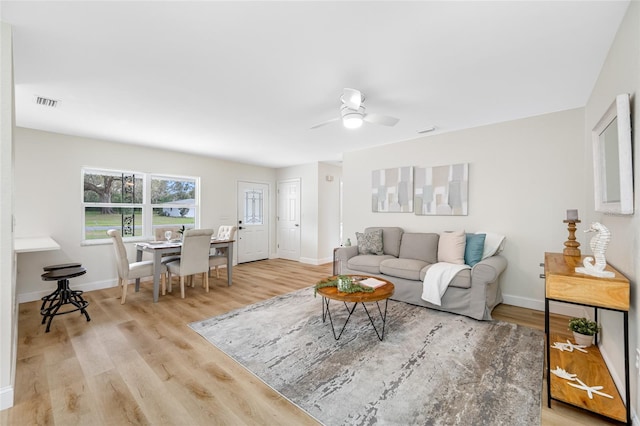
(612, 160)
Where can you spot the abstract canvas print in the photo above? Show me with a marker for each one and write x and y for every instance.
(392, 190)
(442, 190)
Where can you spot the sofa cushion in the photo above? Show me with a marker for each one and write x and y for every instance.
(370, 242)
(402, 268)
(451, 247)
(420, 246)
(391, 237)
(474, 248)
(461, 280)
(368, 263)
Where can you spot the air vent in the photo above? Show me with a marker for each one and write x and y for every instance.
(427, 130)
(52, 103)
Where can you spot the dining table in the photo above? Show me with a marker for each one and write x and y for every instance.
(166, 248)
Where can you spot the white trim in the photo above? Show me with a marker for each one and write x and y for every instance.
(310, 261)
(567, 309)
(614, 374)
(95, 285)
(6, 397)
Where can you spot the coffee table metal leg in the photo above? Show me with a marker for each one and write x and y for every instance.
(327, 312)
(382, 316)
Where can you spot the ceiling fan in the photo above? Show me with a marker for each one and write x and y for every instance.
(352, 112)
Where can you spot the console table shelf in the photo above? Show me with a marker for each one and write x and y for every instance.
(563, 284)
(591, 369)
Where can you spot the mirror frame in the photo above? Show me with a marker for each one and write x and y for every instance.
(621, 110)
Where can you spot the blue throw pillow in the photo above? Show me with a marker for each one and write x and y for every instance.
(473, 249)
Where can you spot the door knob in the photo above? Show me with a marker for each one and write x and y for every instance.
(297, 224)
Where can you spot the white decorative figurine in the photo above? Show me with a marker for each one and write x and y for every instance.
(598, 244)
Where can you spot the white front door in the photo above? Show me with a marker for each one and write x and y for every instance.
(289, 219)
(253, 221)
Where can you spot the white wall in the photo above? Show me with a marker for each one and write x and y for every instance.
(620, 74)
(328, 211)
(8, 305)
(523, 176)
(48, 194)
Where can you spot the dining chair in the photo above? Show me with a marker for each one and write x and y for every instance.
(130, 271)
(219, 257)
(194, 257)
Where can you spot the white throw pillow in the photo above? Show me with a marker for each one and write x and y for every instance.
(451, 247)
(493, 244)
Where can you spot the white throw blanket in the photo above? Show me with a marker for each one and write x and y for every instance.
(437, 280)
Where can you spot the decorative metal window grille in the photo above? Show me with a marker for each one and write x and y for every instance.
(128, 196)
(253, 207)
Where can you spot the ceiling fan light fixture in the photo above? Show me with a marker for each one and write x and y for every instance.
(352, 121)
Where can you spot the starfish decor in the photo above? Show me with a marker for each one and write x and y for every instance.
(590, 389)
(563, 374)
(569, 347)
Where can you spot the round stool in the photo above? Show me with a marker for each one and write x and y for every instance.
(63, 295)
(56, 293)
(62, 266)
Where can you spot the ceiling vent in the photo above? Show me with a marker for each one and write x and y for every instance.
(427, 130)
(52, 103)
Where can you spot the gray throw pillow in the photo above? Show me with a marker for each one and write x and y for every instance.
(370, 242)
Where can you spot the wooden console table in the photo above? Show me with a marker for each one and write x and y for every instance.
(563, 284)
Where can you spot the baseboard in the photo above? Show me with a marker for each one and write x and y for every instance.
(310, 261)
(614, 374)
(566, 309)
(96, 285)
(6, 397)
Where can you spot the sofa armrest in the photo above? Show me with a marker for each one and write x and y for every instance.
(345, 253)
(488, 270)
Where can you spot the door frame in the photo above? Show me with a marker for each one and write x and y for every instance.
(268, 212)
(299, 181)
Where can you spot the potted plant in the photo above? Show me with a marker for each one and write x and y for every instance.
(583, 330)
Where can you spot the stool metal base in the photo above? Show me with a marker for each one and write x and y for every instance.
(63, 295)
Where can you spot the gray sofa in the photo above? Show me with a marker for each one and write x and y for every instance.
(405, 260)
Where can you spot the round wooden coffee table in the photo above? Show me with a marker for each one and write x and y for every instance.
(384, 292)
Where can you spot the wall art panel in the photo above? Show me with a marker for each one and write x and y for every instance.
(392, 190)
(442, 190)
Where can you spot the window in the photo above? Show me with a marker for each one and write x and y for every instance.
(173, 201)
(253, 207)
(136, 203)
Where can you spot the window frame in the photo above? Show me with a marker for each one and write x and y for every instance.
(146, 206)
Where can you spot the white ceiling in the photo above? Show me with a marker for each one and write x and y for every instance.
(245, 81)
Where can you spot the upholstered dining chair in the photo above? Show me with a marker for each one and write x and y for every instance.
(130, 271)
(194, 257)
(219, 257)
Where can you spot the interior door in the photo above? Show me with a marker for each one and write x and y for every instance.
(288, 220)
(253, 221)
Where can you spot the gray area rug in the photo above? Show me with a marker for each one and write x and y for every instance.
(433, 368)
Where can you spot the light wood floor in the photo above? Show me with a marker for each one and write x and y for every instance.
(139, 363)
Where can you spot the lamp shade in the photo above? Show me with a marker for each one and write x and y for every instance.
(352, 120)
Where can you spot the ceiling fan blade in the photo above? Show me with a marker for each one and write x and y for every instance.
(385, 120)
(324, 123)
(352, 98)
